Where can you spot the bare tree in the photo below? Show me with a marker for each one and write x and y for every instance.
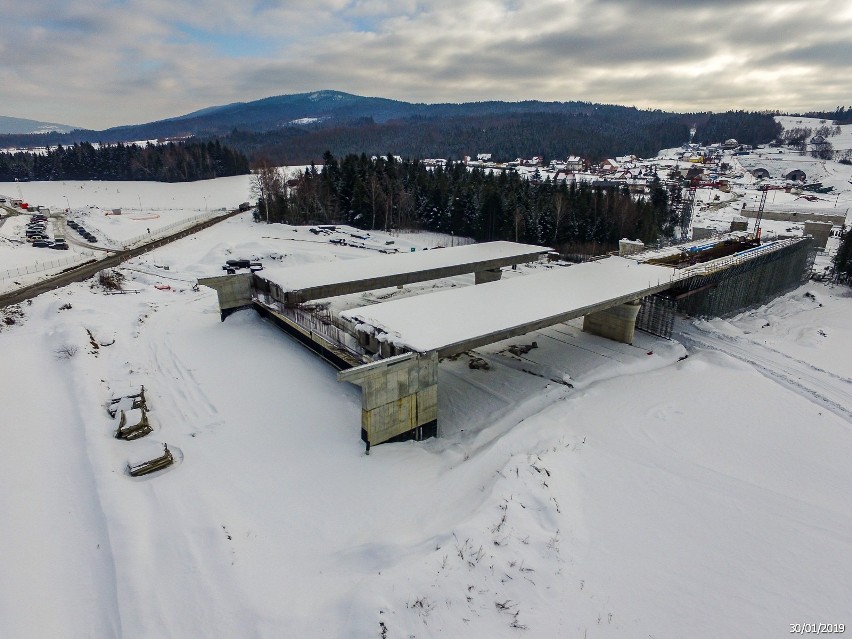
(267, 185)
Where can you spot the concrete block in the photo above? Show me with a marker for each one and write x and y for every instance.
(629, 247)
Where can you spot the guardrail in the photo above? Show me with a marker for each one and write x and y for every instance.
(166, 230)
(722, 263)
(38, 267)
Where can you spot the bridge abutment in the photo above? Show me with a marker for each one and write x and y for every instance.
(616, 323)
(234, 291)
(399, 397)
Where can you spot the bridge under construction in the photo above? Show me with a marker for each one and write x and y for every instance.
(392, 349)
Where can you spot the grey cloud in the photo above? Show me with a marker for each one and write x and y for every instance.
(120, 63)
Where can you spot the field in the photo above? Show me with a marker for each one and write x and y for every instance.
(694, 487)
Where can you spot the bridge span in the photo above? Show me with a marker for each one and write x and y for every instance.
(392, 349)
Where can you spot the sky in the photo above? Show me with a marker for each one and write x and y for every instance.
(103, 63)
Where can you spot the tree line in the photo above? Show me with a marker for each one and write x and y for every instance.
(595, 132)
(171, 162)
(388, 194)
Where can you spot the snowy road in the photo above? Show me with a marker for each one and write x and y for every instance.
(832, 391)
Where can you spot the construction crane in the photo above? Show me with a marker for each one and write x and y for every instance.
(759, 217)
(686, 207)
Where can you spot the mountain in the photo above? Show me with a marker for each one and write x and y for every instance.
(23, 126)
(318, 109)
(298, 128)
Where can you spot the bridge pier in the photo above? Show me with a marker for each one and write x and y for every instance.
(616, 323)
(399, 397)
(490, 275)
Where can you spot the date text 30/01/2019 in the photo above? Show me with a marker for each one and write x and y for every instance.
(817, 628)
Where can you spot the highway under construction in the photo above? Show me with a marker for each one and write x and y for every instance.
(392, 348)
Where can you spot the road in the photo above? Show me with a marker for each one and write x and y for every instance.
(113, 259)
(832, 391)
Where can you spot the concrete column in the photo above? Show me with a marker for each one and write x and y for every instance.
(491, 275)
(399, 397)
(234, 291)
(616, 323)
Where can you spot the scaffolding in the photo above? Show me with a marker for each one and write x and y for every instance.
(656, 315)
(746, 284)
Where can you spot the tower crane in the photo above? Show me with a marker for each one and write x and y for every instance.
(759, 217)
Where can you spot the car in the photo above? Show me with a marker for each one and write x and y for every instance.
(41, 243)
(81, 230)
(35, 233)
(91, 238)
(58, 238)
(60, 246)
(73, 224)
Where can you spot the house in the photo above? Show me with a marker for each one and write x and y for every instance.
(818, 140)
(575, 163)
(730, 144)
(484, 157)
(608, 165)
(692, 173)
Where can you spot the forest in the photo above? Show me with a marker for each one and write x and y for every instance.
(576, 218)
(172, 162)
(266, 129)
(596, 133)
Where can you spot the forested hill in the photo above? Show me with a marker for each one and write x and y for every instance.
(295, 129)
(597, 134)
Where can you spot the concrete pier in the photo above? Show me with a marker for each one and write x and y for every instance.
(616, 323)
(489, 275)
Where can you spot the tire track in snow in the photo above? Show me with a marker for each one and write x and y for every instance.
(831, 391)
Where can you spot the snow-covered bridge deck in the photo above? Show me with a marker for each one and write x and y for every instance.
(457, 320)
(315, 281)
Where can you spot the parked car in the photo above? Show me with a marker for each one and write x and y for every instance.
(41, 243)
(73, 224)
(60, 246)
(90, 237)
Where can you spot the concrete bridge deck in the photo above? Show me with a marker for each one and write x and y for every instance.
(297, 284)
(453, 321)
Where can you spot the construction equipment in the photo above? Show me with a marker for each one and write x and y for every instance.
(759, 216)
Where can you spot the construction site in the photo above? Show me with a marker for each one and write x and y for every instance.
(391, 346)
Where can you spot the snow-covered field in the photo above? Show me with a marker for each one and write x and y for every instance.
(584, 489)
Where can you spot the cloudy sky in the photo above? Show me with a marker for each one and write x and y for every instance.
(101, 63)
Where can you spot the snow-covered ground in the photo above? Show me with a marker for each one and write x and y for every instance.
(583, 489)
(641, 534)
